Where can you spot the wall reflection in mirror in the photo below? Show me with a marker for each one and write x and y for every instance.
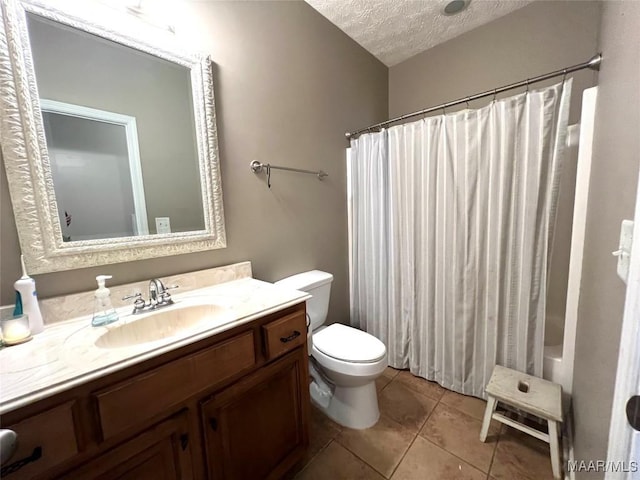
(120, 132)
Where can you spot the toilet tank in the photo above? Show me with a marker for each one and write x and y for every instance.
(315, 283)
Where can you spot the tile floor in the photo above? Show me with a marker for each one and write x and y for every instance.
(425, 432)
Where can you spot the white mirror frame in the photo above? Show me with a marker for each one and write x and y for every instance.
(25, 152)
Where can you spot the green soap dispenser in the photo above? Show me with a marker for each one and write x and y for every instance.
(103, 311)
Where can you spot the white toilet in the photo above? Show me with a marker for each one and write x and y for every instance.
(347, 360)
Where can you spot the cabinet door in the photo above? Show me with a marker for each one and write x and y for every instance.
(160, 453)
(257, 428)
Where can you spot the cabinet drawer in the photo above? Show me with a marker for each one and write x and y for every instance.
(284, 334)
(52, 432)
(139, 399)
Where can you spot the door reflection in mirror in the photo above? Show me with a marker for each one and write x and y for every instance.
(96, 170)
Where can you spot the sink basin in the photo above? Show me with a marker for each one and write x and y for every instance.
(159, 325)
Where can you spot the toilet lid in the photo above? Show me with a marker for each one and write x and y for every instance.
(348, 344)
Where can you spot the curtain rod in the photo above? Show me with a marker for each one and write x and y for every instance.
(593, 64)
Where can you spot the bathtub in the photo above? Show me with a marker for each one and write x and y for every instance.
(560, 329)
(553, 340)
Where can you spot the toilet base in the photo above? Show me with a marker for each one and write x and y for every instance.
(353, 407)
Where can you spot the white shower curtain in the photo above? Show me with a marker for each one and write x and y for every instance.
(451, 220)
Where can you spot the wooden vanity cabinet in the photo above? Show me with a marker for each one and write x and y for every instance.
(233, 406)
(255, 428)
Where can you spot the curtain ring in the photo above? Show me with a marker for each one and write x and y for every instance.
(527, 91)
(494, 94)
(467, 102)
(444, 111)
(564, 75)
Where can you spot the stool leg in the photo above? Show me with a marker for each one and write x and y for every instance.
(555, 448)
(491, 407)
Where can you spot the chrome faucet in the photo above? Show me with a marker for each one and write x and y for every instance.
(159, 296)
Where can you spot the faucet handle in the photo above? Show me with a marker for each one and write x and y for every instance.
(135, 295)
(165, 296)
(138, 304)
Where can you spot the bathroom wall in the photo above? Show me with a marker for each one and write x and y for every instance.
(614, 174)
(288, 85)
(536, 39)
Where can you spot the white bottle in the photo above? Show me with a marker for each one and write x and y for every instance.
(27, 296)
(103, 311)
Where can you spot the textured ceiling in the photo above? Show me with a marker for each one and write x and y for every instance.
(394, 30)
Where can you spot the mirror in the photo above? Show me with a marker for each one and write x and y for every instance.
(122, 141)
(118, 134)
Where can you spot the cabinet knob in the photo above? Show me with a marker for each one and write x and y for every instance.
(213, 423)
(184, 441)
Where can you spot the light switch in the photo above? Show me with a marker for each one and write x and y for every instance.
(624, 250)
(163, 225)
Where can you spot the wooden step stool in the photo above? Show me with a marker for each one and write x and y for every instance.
(531, 395)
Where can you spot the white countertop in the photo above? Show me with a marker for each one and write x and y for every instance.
(65, 355)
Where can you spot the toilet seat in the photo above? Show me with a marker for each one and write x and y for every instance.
(350, 369)
(349, 344)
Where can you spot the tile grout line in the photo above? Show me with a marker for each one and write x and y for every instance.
(459, 411)
(322, 449)
(417, 432)
(360, 458)
(386, 385)
(493, 456)
(415, 390)
(453, 454)
(403, 455)
(495, 449)
(314, 457)
(367, 463)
